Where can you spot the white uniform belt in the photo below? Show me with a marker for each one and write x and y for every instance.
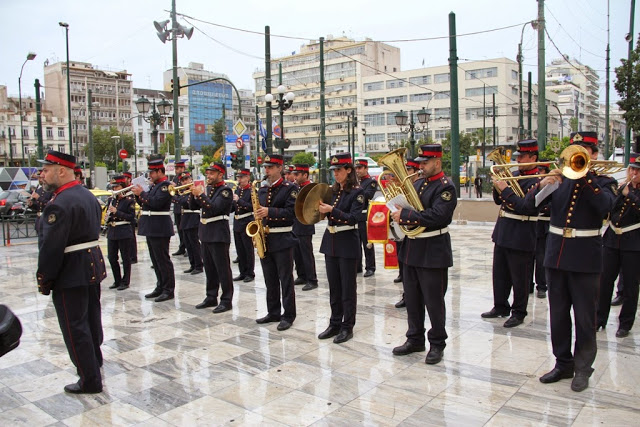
(244, 215)
(544, 218)
(623, 230)
(280, 229)
(190, 211)
(430, 233)
(114, 224)
(572, 232)
(213, 218)
(81, 246)
(338, 228)
(364, 211)
(155, 213)
(504, 214)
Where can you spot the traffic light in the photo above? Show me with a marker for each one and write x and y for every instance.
(177, 83)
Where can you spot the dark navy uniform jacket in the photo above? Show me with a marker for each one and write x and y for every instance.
(438, 197)
(157, 199)
(72, 217)
(514, 233)
(242, 207)
(38, 204)
(280, 198)
(189, 220)
(126, 211)
(215, 201)
(581, 204)
(626, 212)
(542, 226)
(300, 229)
(369, 187)
(347, 205)
(177, 208)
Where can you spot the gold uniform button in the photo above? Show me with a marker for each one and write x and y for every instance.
(573, 203)
(568, 221)
(589, 181)
(569, 216)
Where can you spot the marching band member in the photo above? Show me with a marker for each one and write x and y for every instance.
(340, 246)
(38, 200)
(542, 230)
(621, 252)
(243, 208)
(215, 202)
(156, 225)
(514, 238)
(369, 187)
(303, 253)
(573, 260)
(177, 209)
(134, 242)
(425, 277)
(120, 213)
(277, 210)
(189, 223)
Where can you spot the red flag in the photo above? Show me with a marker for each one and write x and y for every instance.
(199, 128)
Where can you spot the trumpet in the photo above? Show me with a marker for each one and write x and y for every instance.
(181, 190)
(124, 192)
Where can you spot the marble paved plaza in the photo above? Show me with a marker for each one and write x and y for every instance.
(168, 364)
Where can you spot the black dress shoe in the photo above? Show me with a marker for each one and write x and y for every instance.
(114, 286)
(267, 319)
(555, 375)
(76, 389)
(248, 279)
(408, 348)
(434, 356)
(164, 297)
(122, 287)
(621, 333)
(580, 382)
(238, 278)
(397, 279)
(369, 273)
(343, 336)
(196, 271)
(188, 271)
(331, 331)
(299, 281)
(284, 325)
(153, 294)
(541, 294)
(179, 252)
(513, 321)
(309, 286)
(493, 313)
(207, 303)
(222, 308)
(401, 303)
(617, 300)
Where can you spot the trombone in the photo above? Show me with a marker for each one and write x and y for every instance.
(124, 192)
(574, 161)
(181, 190)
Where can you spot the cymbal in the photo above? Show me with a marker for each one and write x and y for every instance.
(308, 202)
(302, 195)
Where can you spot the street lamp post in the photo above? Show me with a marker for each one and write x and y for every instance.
(155, 118)
(534, 25)
(283, 102)
(66, 27)
(30, 56)
(116, 139)
(407, 125)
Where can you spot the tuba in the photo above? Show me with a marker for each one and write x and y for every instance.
(255, 229)
(503, 172)
(394, 161)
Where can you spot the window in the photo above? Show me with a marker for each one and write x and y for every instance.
(442, 113)
(375, 119)
(181, 122)
(393, 84)
(481, 73)
(443, 95)
(25, 132)
(514, 74)
(60, 132)
(420, 80)
(49, 133)
(514, 90)
(441, 133)
(476, 113)
(140, 120)
(396, 99)
(373, 101)
(376, 137)
(479, 91)
(416, 97)
(140, 137)
(61, 148)
(397, 136)
(441, 78)
(368, 87)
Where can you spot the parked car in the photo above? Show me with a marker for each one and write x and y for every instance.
(9, 197)
(374, 168)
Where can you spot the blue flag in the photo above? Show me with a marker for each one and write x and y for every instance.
(263, 134)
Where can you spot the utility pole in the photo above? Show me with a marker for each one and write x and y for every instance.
(354, 124)
(607, 89)
(542, 123)
(92, 164)
(349, 135)
(323, 138)
(627, 135)
(494, 121)
(267, 84)
(39, 120)
(484, 124)
(529, 112)
(176, 87)
(455, 118)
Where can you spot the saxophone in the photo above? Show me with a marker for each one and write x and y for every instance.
(255, 229)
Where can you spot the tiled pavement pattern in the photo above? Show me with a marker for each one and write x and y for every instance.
(170, 364)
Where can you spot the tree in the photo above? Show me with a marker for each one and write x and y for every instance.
(553, 149)
(468, 142)
(627, 84)
(573, 124)
(106, 149)
(207, 150)
(219, 129)
(304, 158)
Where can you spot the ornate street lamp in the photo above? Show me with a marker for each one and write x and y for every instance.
(156, 116)
(30, 57)
(282, 103)
(407, 125)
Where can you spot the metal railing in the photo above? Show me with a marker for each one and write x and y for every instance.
(16, 227)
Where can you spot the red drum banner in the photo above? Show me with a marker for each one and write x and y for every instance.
(390, 255)
(378, 222)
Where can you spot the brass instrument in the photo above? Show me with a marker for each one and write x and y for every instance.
(255, 229)
(124, 192)
(394, 161)
(181, 190)
(501, 171)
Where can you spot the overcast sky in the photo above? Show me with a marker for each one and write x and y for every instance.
(119, 34)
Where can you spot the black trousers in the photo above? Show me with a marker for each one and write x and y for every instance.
(80, 319)
(277, 268)
(133, 251)
(579, 290)
(369, 253)
(400, 264)
(540, 271)
(426, 287)
(511, 267)
(162, 264)
(624, 262)
(124, 247)
(245, 253)
(341, 273)
(178, 219)
(305, 260)
(192, 245)
(217, 267)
